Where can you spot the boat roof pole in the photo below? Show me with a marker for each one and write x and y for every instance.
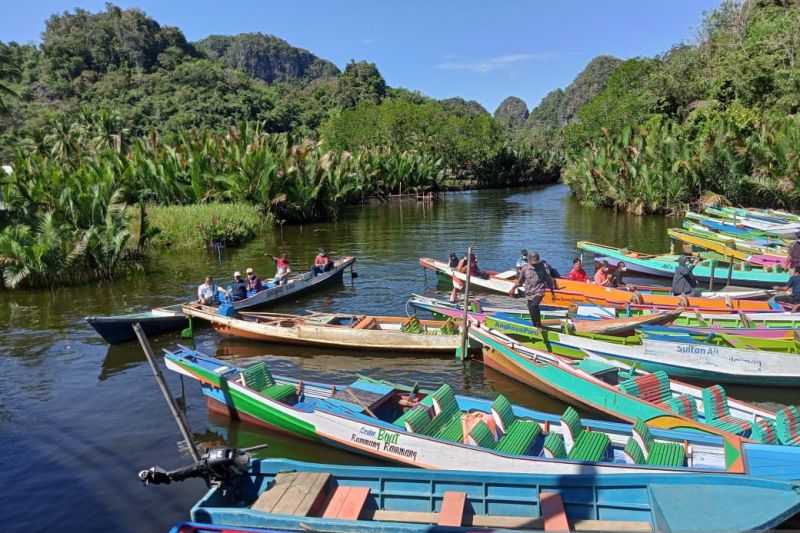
(183, 425)
(462, 354)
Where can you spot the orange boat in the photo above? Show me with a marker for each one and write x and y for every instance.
(577, 292)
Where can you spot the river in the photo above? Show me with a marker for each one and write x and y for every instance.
(79, 419)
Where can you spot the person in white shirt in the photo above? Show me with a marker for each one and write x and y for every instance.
(207, 292)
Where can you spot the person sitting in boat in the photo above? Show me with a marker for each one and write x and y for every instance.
(474, 269)
(793, 291)
(238, 290)
(602, 274)
(282, 269)
(207, 292)
(322, 263)
(793, 257)
(253, 282)
(683, 281)
(618, 275)
(523, 259)
(452, 261)
(577, 273)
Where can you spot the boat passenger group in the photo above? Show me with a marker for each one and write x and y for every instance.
(209, 293)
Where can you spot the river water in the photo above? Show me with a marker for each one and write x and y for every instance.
(79, 418)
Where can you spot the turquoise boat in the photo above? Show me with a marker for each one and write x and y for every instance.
(664, 265)
(284, 495)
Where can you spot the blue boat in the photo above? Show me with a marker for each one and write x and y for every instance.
(279, 494)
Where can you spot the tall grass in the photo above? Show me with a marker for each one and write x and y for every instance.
(195, 226)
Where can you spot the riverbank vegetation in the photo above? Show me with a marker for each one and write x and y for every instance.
(716, 116)
(137, 138)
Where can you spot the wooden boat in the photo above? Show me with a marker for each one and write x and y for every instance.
(664, 265)
(729, 228)
(575, 292)
(768, 225)
(361, 332)
(754, 246)
(447, 431)
(727, 249)
(119, 328)
(630, 394)
(285, 495)
(608, 326)
(712, 357)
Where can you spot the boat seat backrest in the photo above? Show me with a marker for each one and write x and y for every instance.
(366, 323)
(553, 446)
(641, 434)
(653, 387)
(503, 413)
(444, 400)
(684, 405)
(482, 436)
(417, 419)
(257, 376)
(633, 452)
(715, 402)
(787, 421)
(763, 430)
(572, 427)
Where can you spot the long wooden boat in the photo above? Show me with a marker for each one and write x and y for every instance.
(119, 328)
(664, 265)
(626, 393)
(359, 332)
(760, 223)
(570, 293)
(625, 325)
(729, 228)
(285, 495)
(768, 215)
(756, 246)
(728, 249)
(680, 356)
(441, 430)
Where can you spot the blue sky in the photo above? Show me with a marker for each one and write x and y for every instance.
(475, 49)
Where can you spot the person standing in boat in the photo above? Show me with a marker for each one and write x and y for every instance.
(282, 269)
(535, 280)
(207, 292)
(577, 273)
(458, 284)
(322, 263)
(238, 289)
(523, 260)
(683, 281)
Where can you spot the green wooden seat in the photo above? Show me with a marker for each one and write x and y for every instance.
(553, 446)
(717, 413)
(444, 399)
(258, 378)
(764, 431)
(683, 405)
(654, 387)
(415, 420)
(503, 413)
(519, 438)
(582, 445)
(453, 430)
(657, 453)
(787, 423)
(482, 435)
(633, 452)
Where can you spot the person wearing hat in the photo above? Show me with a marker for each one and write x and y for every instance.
(523, 259)
(238, 290)
(253, 282)
(535, 280)
(322, 263)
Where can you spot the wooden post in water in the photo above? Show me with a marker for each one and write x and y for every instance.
(462, 353)
(162, 384)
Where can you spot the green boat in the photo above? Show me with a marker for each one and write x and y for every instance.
(664, 265)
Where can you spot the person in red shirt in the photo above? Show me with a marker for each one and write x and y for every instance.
(577, 273)
(282, 269)
(322, 263)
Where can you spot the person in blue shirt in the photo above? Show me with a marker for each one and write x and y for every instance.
(793, 289)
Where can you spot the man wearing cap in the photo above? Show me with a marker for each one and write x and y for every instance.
(535, 279)
(238, 289)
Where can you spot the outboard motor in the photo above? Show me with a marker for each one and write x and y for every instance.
(217, 465)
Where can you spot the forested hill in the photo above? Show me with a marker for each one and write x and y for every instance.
(266, 57)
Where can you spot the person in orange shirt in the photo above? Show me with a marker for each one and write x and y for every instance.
(602, 275)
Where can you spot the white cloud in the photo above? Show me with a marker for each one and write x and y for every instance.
(494, 63)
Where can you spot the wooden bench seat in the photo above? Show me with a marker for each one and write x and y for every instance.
(294, 493)
(453, 506)
(347, 503)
